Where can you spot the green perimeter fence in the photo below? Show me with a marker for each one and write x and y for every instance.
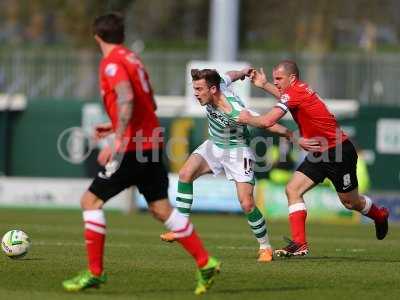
(29, 141)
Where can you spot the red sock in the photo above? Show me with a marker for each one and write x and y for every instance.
(375, 213)
(194, 246)
(95, 250)
(297, 221)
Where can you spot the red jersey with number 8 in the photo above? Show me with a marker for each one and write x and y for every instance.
(143, 131)
(311, 115)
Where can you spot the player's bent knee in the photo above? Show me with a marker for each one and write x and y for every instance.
(161, 209)
(348, 204)
(158, 213)
(350, 201)
(89, 201)
(292, 192)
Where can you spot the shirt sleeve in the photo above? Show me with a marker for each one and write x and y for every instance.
(114, 73)
(288, 100)
(225, 79)
(253, 113)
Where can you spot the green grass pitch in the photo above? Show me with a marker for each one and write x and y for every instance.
(346, 261)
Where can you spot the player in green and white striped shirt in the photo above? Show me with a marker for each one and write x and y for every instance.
(227, 149)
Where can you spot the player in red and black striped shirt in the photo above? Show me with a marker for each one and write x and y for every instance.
(330, 153)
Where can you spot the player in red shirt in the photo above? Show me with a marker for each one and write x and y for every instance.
(330, 153)
(135, 160)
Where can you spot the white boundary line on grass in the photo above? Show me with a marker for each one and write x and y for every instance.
(124, 245)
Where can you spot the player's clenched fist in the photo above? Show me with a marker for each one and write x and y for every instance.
(258, 78)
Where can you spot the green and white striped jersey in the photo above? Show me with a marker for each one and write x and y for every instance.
(223, 128)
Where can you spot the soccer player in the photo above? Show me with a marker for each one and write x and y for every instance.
(331, 154)
(227, 149)
(136, 159)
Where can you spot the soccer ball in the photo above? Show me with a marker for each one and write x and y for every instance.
(15, 243)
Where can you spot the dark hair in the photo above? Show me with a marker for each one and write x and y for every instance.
(110, 28)
(290, 67)
(211, 76)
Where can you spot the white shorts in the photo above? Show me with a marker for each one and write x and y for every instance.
(237, 163)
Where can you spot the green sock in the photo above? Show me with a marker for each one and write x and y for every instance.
(257, 224)
(184, 198)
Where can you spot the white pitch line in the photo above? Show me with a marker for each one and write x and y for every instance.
(236, 248)
(46, 243)
(218, 235)
(124, 245)
(74, 244)
(351, 250)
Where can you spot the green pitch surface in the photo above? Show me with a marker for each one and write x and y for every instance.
(346, 262)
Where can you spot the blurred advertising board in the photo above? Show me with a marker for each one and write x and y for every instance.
(322, 203)
(211, 194)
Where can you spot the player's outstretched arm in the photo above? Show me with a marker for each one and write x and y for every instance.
(264, 121)
(312, 145)
(259, 79)
(242, 74)
(248, 117)
(282, 131)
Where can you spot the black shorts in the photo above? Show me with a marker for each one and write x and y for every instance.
(150, 177)
(338, 164)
